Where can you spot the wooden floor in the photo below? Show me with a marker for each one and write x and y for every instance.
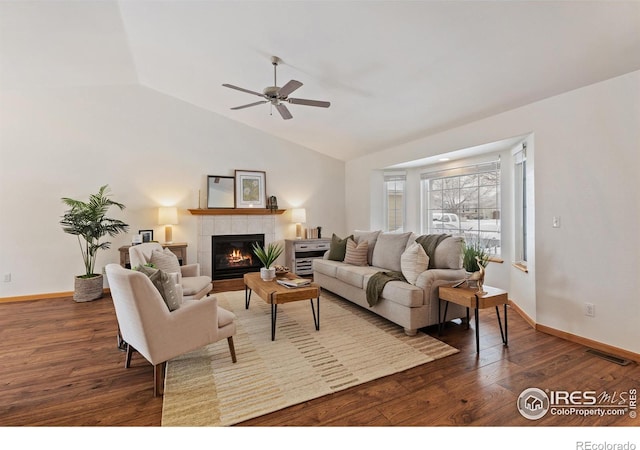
(59, 366)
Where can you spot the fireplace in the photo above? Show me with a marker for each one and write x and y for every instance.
(232, 255)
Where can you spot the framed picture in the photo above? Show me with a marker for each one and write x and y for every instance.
(251, 189)
(147, 235)
(221, 192)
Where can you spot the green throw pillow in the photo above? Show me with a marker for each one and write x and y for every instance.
(338, 248)
(164, 284)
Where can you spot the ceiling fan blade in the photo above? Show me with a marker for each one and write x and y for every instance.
(231, 86)
(288, 88)
(250, 104)
(284, 112)
(302, 101)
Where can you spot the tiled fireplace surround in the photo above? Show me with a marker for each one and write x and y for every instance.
(232, 224)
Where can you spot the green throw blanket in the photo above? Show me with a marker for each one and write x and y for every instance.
(377, 282)
(429, 242)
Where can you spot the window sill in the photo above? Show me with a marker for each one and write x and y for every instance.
(495, 259)
(521, 266)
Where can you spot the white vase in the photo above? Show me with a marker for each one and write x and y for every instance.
(268, 274)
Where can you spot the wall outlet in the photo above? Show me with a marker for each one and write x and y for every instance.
(589, 309)
(556, 222)
(7, 277)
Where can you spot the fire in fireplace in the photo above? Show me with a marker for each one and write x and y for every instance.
(232, 255)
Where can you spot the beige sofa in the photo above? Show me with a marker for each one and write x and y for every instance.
(411, 306)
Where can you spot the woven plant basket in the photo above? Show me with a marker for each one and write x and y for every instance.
(87, 289)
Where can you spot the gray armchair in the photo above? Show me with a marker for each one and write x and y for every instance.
(149, 328)
(194, 285)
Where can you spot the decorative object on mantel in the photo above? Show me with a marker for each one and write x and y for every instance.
(87, 221)
(298, 216)
(272, 203)
(251, 189)
(168, 216)
(474, 261)
(221, 191)
(267, 256)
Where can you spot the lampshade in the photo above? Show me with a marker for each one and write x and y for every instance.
(168, 215)
(299, 215)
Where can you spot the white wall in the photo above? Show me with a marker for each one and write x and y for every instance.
(151, 149)
(586, 166)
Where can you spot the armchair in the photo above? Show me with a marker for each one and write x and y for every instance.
(149, 328)
(194, 285)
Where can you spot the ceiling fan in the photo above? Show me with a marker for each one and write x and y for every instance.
(277, 96)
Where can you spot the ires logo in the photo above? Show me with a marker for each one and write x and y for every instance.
(574, 398)
(534, 403)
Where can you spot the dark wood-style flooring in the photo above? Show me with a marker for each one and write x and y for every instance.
(59, 366)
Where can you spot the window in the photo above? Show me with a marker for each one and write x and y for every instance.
(394, 201)
(520, 206)
(464, 201)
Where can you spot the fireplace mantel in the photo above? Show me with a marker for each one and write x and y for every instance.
(235, 212)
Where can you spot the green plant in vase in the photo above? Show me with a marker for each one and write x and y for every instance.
(474, 261)
(267, 256)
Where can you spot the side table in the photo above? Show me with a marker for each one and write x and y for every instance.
(179, 248)
(471, 299)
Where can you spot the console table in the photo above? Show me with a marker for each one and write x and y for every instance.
(179, 248)
(470, 298)
(300, 253)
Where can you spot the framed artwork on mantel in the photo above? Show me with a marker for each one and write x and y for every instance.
(251, 189)
(221, 192)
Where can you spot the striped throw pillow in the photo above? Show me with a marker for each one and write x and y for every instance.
(356, 254)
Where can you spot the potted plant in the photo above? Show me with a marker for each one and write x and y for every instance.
(87, 221)
(267, 256)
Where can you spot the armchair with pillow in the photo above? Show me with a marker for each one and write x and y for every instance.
(194, 285)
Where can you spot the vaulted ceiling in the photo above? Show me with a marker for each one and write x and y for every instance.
(394, 71)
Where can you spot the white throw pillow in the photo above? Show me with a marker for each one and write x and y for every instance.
(388, 249)
(413, 262)
(165, 260)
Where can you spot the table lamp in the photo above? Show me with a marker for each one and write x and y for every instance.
(168, 216)
(299, 216)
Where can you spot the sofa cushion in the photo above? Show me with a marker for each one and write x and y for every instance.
(371, 237)
(355, 275)
(388, 250)
(448, 254)
(338, 248)
(399, 292)
(326, 266)
(356, 254)
(165, 260)
(413, 262)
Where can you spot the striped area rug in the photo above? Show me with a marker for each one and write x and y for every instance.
(353, 346)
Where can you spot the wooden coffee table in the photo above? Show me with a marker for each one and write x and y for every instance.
(275, 294)
(471, 299)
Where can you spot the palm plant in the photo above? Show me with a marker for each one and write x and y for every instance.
(87, 221)
(268, 255)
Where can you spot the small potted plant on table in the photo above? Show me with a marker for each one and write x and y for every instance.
(267, 256)
(474, 260)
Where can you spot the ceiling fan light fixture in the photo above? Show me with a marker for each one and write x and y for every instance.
(276, 95)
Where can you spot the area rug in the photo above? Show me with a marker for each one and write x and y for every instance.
(353, 346)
